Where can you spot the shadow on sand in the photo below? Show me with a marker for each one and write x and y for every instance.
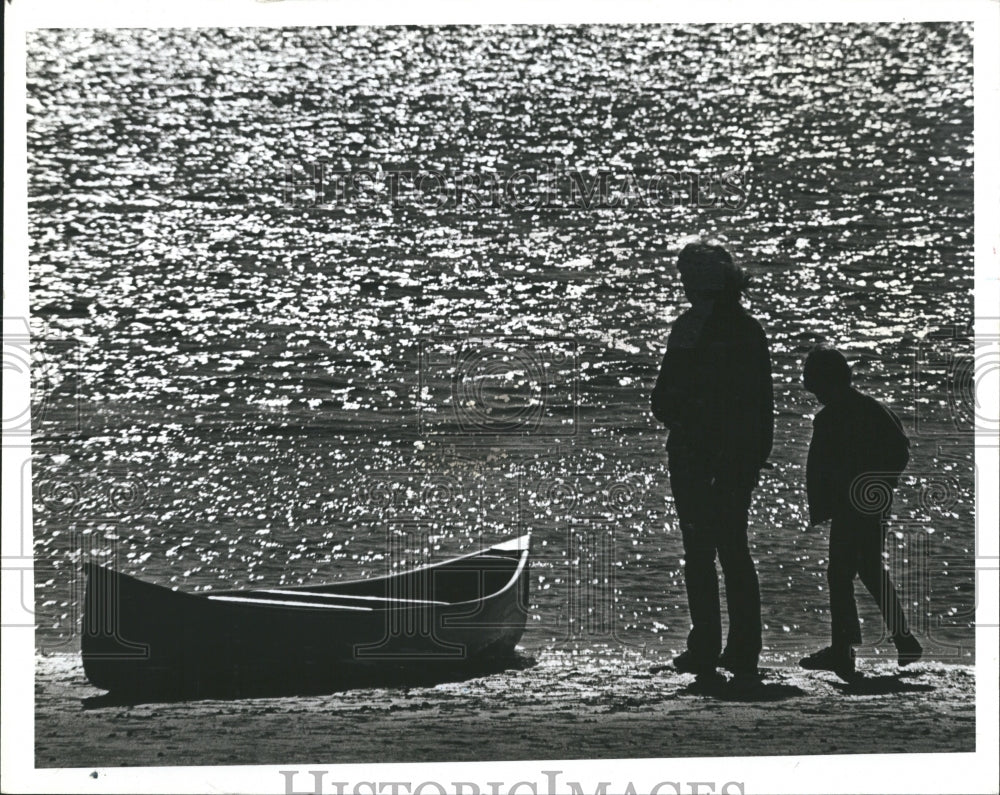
(881, 685)
(401, 678)
(723, 690)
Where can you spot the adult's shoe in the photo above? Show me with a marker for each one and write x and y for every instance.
(687, 663)
(838, 660)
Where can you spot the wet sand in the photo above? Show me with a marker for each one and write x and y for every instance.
(563, 706)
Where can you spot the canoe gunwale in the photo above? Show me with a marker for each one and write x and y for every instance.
(246, 597)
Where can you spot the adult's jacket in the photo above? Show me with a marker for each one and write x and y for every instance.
(715, 394)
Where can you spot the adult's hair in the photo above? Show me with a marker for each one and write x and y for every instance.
(708, 268)
(826, 367)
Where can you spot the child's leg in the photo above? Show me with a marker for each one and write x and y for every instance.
(844, 625)
(875, 577)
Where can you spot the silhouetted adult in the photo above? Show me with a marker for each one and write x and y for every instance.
(857, 453)
(714, 392)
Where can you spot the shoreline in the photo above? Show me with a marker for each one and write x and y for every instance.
(562, 707)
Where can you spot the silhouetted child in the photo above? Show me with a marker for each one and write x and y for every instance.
(857, 453)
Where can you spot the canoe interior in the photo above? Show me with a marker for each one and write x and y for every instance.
(453, 582)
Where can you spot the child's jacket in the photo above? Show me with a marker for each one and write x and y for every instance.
(855, 436)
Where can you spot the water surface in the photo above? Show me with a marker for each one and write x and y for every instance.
(235, 385)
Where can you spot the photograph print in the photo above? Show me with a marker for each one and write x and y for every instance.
(483, 393)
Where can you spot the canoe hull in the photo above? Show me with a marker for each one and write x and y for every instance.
(142, 637)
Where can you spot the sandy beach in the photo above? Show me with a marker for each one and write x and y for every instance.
(563, 706)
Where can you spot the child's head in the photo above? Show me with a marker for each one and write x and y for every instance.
(826, 373)
(708, 273)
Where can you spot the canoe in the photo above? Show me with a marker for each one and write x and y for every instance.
(459, 614)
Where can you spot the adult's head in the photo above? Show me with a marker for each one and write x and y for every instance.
(708, 273)
(826, 373)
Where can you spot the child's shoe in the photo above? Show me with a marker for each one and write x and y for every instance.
(908, 648)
